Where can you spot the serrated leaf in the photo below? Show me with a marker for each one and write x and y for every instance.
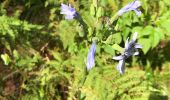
(67, 33)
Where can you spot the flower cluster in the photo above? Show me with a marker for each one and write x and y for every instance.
(131, 48)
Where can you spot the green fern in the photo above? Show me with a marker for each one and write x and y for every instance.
(111, 85)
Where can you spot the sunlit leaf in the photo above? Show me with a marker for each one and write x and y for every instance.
(5, 58)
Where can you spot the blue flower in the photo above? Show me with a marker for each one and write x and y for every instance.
(68, 11)
(131, 6)
(90, 57)
(131, 48)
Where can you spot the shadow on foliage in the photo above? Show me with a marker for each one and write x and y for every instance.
(157, 96)
(159, 55)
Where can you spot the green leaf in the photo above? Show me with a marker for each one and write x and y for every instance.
(99, 12)
(115, 38)
(67, 33)
(57, 56)
(90, 31)
(73, 48)
(160, 32)
(148, 30)
(109, 49)
(165, 24)
(92, 10)
(137, 29)
(155, 39)
(5, 58)
(125, 33)
(95, 3)
(80, 31)
(156, 36)
(109, 40)
(99, 26)
(146, 44)
(103, 2)
(54, 63)
(15, 55)
(118, 48)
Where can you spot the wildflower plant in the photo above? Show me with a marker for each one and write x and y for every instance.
(59, 59)
(130, 47)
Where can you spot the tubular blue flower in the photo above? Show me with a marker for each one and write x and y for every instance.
(68, 11)
(121, 66)
(133, 6)
(131, 48)
(90, 57)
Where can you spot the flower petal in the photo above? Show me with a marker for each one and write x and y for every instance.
(137, 3)
(131, 6)
(135, 36)
(68, 11)
(127, 43)
(69, 17)
(121, 66)
(118, 57)
(138, 46)
(138, 12)
(90, 57)
(136, 53)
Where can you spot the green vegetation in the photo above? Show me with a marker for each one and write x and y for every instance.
(43, 55)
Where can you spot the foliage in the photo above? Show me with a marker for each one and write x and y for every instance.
(43, 55)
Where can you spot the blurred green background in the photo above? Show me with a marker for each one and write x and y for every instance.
(43, 55)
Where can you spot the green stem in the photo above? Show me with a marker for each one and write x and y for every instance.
(113, 18)
(84, 77)
(85, 27)
(85, 73)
